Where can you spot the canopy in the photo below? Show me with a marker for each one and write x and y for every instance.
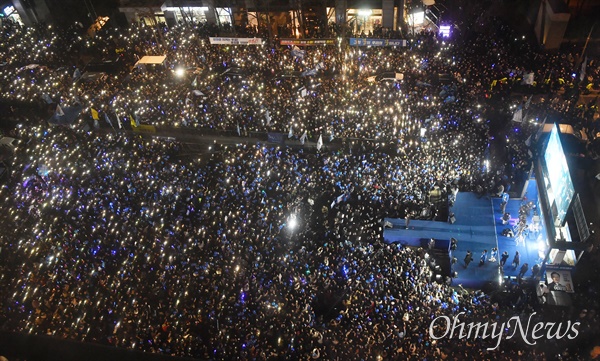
(69, 117)
(151, 59)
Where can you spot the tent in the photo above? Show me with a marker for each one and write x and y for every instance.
(151, 60)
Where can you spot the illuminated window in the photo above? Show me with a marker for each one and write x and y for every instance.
(224, 15)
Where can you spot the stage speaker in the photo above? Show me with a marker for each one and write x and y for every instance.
(452, 219)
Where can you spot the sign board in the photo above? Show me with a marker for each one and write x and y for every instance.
(236, 41)
(307, 42)
(582, 227)
(377, 42)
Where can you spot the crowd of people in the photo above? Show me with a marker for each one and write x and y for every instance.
(248, 251)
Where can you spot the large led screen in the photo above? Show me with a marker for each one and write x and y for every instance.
(558, 175)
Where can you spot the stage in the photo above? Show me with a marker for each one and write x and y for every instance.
(478, 227)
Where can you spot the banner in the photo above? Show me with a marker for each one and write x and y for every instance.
(307, 42)
(276, 138)
(143, 128)
(559, 280)
(377, 42)
(236, 41)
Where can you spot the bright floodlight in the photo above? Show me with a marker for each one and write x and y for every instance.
(180, 72)
(365, 12)
(292, 223)
(417, 18)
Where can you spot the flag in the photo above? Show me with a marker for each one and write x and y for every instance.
(134, 123)
(119, 122)
(47, 98)
(76, 74)
(238, 130)
(303, 137)
(59, 111)
(291, 133)
(528, 103)
(195, 82)
(268, 117)
(320, 142)
(108, 120)
(518, 116)
(297, 53)
(331, 136)
(309, 72)
(198, 93)
(303, 91)
(583, 66)
(95, 114)
(187, 101)
(320, 66)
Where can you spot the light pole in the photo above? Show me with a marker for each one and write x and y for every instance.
(585, 46)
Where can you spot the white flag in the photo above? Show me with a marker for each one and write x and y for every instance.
(331, 136)
(187, 101)
(238, 129)
(198, 92)
(59, 111)
(268, 117)
(195, 82)
(303, 137)
(320, 142)
(108, 120)
(518, 116)
(119, 121)
(528, 103)
(291, 133)
(583, 66)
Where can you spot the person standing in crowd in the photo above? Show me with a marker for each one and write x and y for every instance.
(516, 260)
(407, 218)
(494, 254)
(524, 269)
(535, 270)
(468, 258)
(483, 257)
(503, 258)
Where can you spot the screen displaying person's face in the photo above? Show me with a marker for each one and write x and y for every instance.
(555, 278)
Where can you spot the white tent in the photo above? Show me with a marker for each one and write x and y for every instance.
(151, 59)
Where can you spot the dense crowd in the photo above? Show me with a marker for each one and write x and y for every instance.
(118, 240)
(239, 253)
